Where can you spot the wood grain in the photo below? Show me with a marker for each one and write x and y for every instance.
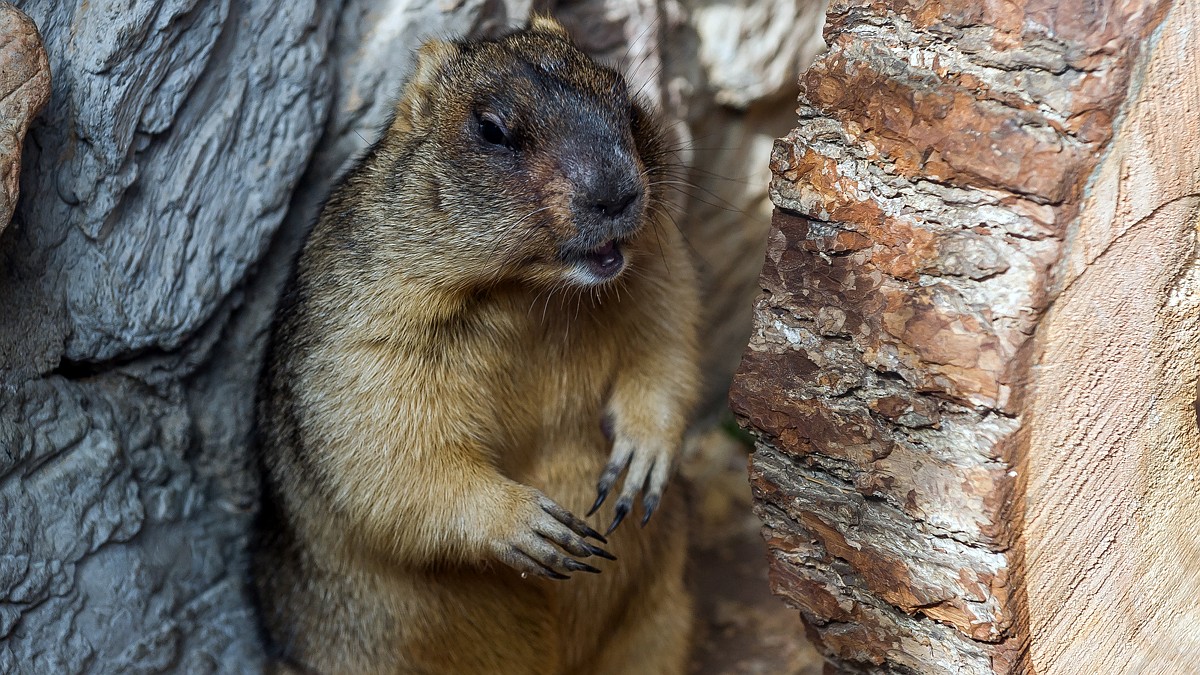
(1112, 526)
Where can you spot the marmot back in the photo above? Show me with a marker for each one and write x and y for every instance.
(488, 330)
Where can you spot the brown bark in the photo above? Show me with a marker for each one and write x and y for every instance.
(24, 90)
(905, 379)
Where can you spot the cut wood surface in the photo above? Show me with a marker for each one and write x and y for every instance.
(1112, 527)
(974, 361)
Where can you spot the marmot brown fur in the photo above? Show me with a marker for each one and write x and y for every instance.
(488, 325)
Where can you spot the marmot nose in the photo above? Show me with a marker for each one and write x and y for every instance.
(615, 204)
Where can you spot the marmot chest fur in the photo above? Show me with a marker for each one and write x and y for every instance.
(489, 329)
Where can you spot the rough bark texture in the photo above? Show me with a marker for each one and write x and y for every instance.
(24, 89)
(924, 224)
(163, 191)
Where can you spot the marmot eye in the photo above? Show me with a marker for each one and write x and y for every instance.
(493, 131)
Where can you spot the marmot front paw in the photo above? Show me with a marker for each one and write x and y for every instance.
(649, 466)
(536, 523)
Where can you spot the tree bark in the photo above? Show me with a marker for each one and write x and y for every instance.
(975, 294)
(24, 89)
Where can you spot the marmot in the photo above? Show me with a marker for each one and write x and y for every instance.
(488, 326)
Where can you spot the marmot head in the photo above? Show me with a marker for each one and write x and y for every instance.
(543, 167)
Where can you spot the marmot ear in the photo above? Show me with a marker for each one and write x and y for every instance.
(542, 23)
(416, 102)
(432, 57)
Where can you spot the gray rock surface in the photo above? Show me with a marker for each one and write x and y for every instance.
(165, 189)
(164, 162)
(153, 181)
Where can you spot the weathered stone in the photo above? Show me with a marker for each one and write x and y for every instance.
(116, 552)
(151, 184)
(174, 136)
(752, 50)
(24, 90)
(724, 137)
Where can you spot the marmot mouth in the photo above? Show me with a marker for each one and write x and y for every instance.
(605, 261)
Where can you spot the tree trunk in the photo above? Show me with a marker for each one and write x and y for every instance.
(974, 363)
